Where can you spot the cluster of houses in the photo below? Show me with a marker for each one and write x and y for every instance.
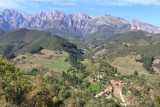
(109, 89)
(114, 87)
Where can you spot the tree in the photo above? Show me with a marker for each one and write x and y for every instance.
(135, 72)
(147, 63)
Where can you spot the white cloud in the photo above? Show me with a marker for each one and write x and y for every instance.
(56, 2)
(145, 2)
(136, 2)
(18, 4)
(8, 4)
(124, 2)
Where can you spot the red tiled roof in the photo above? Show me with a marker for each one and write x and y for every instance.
(108, 89)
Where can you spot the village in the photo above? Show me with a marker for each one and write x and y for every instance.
(115, 88)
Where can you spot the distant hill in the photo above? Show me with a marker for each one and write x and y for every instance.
(122, 44)
(24, 40)
(132, 37)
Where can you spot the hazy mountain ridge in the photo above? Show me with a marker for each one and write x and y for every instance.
(79, 23)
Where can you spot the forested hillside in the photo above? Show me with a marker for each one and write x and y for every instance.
(75, 88)
(21, 41)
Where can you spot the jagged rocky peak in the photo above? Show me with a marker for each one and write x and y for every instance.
(9, 13)
(81, 23)
(6, 11)
(109, 20)
(40, 13)
(138, 25)
(81, 16)
(56, 13)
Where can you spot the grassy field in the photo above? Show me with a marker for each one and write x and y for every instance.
(48, 59)
(127, 65)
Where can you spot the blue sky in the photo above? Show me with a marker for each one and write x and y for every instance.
(143, 10)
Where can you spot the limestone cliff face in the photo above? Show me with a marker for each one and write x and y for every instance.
(79, 23)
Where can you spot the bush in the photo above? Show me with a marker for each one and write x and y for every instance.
(37, 50)
(135, 72)
(34, 71)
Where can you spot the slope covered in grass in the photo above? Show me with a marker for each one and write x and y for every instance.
(52, 60)
(132, 37)
(128, 65)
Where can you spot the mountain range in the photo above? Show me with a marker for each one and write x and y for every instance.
(78, 23)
